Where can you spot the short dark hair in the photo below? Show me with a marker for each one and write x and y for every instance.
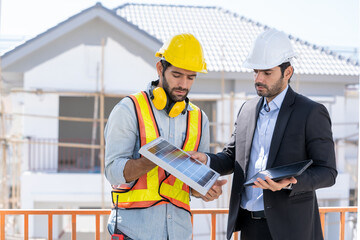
(283, 67)
(165, 64)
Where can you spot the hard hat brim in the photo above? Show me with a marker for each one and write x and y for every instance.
(250, 65)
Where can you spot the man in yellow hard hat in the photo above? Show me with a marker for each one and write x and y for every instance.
(152, 204)
(280, 127)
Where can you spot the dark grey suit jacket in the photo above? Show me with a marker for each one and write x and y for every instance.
(302, 131)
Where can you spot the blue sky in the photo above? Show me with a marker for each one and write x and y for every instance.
(323, 22)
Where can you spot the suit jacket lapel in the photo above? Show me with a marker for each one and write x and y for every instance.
(280, 126)
(252, 120)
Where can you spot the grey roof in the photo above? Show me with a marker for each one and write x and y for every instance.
(97, 11)
(227, 37)
(9, 42)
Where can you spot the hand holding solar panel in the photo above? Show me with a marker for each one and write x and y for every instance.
(180, 164)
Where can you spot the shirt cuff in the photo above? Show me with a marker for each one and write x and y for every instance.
(288, 187)
(118, 172)
(208, 160)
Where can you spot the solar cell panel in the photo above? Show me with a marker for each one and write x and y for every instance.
(179, 163)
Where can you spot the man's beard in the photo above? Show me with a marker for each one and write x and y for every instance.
(272, 92)
(169, 91)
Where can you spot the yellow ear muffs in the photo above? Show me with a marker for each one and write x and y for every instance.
(177, 109)
(160, 101)
(160, 98)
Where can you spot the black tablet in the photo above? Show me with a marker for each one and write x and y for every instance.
(278, 173)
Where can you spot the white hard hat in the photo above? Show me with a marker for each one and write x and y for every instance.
(270, 49)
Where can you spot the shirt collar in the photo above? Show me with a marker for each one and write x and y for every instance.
(278, 100)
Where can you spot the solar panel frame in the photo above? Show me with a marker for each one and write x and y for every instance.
(179, 163)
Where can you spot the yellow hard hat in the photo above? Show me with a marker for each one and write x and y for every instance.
(184, 51)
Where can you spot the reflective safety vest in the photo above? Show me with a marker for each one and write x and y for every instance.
(156, 187)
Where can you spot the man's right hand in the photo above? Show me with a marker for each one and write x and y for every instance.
(202, 157)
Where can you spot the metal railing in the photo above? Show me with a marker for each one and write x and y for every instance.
(62, 155)
(98, 213)
(342, 211)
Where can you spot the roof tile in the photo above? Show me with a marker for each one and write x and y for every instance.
(222, 32)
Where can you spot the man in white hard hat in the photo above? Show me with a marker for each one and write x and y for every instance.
(277, 128)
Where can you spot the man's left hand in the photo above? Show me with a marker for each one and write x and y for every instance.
(272, 185)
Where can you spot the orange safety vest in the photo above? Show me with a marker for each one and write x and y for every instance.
(154, 187)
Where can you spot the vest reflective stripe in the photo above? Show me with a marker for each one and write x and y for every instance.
(145, 192)
(147, 125)
(176, 193)
(193, 132)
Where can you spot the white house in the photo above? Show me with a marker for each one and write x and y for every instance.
(60, 69)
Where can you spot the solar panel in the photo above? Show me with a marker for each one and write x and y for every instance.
(179, 163)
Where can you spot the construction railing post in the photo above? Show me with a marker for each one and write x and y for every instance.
(102, 142)
(3, 147)
(50, 224)
(213, 226)
(342, 225)
(2, 226)
(26, 226)
(97, 227)
(322, 219)
(73, 226)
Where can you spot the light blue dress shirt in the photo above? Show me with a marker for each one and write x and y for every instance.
(122, 143)
(252, 198)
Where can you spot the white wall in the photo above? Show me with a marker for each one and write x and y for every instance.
(79, 69)
(74, 69)
(124, 71)
(44, 105)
